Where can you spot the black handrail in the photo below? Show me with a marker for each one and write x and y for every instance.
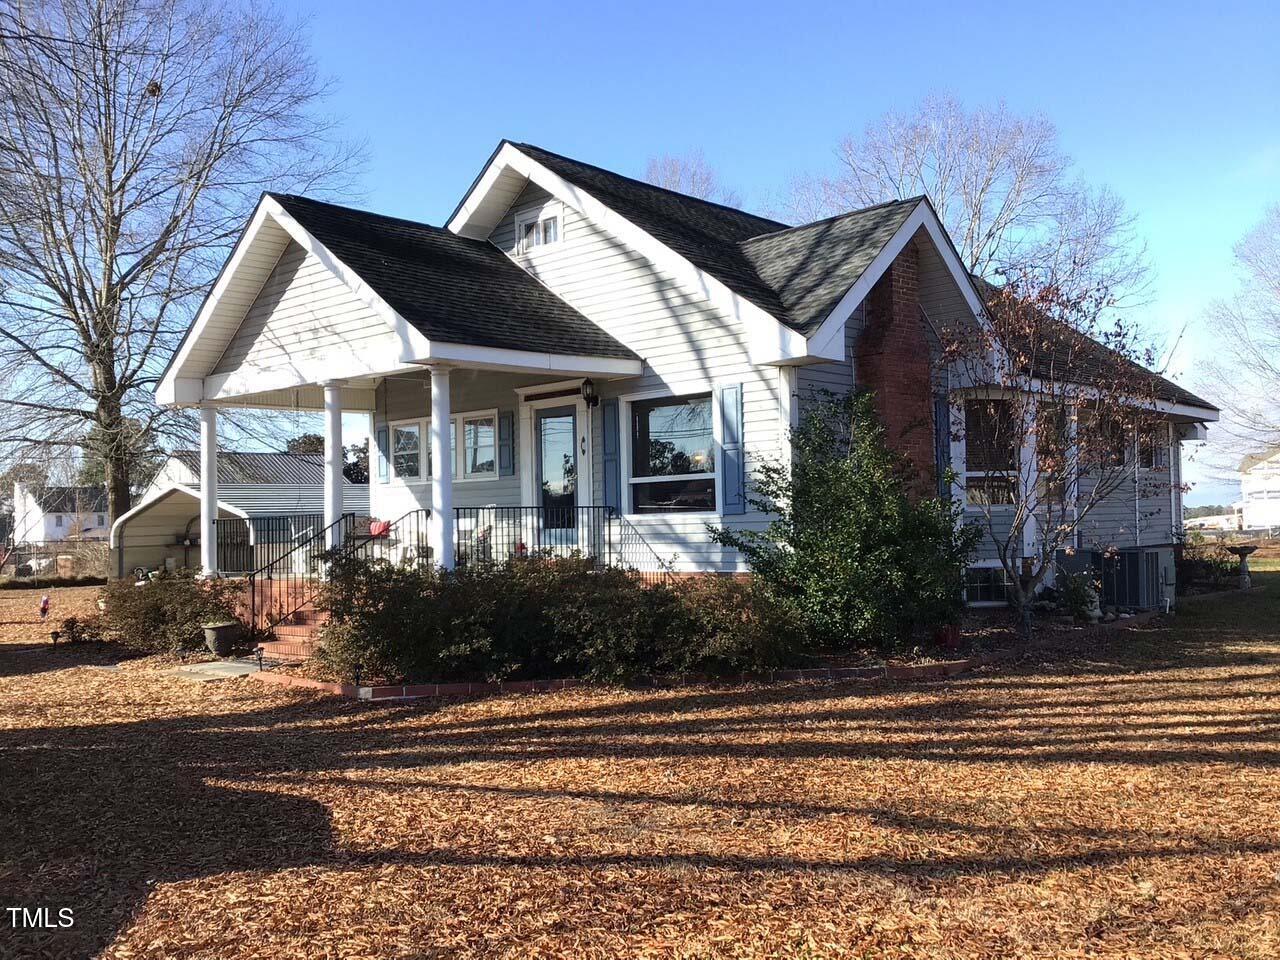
(288, 583)
(403, 540)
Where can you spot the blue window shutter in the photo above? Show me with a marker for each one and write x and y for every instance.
(942, 442)
(612, 461)
(384, 452)
(506, 444)
(732, 469)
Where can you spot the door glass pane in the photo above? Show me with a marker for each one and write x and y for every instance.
(557, 467)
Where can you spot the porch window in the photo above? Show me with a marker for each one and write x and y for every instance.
(991, 455)
(479, 446)
(673, 455)
(453, 449)
(57, 519)
(406, 446)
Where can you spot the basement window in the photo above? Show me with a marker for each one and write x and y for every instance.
(986, 585)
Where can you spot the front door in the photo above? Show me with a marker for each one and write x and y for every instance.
(556, 440)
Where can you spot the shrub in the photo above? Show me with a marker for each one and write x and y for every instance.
(1205, 563)
(166, 613)
(82, 629)
(856, 555)
(44, 583)
(543, 618)
(1077, 591)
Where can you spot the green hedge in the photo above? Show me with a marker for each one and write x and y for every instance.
(41, 583)
(167, 613)
(545, 619)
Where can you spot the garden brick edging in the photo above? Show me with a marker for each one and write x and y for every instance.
(416, 691)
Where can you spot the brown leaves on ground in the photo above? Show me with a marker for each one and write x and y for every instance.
(1121, 802)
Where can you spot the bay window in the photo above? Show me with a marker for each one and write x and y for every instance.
(673, 463)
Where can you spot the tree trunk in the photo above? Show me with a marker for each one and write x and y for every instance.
(115, 453)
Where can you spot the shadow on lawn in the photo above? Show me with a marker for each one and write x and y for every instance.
(96, 815)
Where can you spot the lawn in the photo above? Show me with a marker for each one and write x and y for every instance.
(1115, 796)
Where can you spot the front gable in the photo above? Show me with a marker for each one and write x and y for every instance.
(261, 328)
(509, 174)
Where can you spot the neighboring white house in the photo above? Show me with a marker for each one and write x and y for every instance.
(1259, 504)
(43, 514)
(266, 498)
(578, 344)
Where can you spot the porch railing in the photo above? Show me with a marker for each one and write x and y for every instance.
(404, 540)
(497, 534)
(253, 544)
(291, 581)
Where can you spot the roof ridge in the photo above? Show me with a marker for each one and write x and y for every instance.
(364, 213)
(839, 216)
(647, 184)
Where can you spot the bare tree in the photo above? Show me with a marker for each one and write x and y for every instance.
(690, 174)
(1245, 373)
(135, 137)
(1002, 185)
(1057, 414)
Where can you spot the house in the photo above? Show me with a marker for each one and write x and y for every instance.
(265, 501)
(598, 361)
(1259, 505)
(45, 514)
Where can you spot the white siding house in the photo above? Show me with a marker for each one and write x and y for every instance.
(576, 343)
(44, 514)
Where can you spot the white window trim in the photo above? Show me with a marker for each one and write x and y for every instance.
(965, 475)
(983, 604)
(1166, 445)
(586, 442)
(551, 210)
(424, 434)
(393, 475)
(460, 450)
(624, 453)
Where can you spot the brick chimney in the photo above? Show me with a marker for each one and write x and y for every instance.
(892, 359)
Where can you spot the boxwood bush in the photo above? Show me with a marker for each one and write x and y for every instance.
(545, 618)
(166, 613)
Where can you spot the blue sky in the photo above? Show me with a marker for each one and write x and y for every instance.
(1175, 106)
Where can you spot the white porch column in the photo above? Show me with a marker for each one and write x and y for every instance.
(333, 459)
(1029, 477)
(441, 528)
(208, 490)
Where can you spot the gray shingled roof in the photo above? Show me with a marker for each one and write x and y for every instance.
(246, 467)
(795, 274)
(811, 267)
(71, 499)
(1089, 359)
(451, 288)
(704, 233)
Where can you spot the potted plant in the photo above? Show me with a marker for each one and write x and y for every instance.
(221, 637)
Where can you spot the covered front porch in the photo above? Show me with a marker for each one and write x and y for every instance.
(527, 456)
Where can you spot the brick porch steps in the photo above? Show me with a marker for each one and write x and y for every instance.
(289, 649)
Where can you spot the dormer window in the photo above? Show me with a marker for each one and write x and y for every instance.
(537, 229)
